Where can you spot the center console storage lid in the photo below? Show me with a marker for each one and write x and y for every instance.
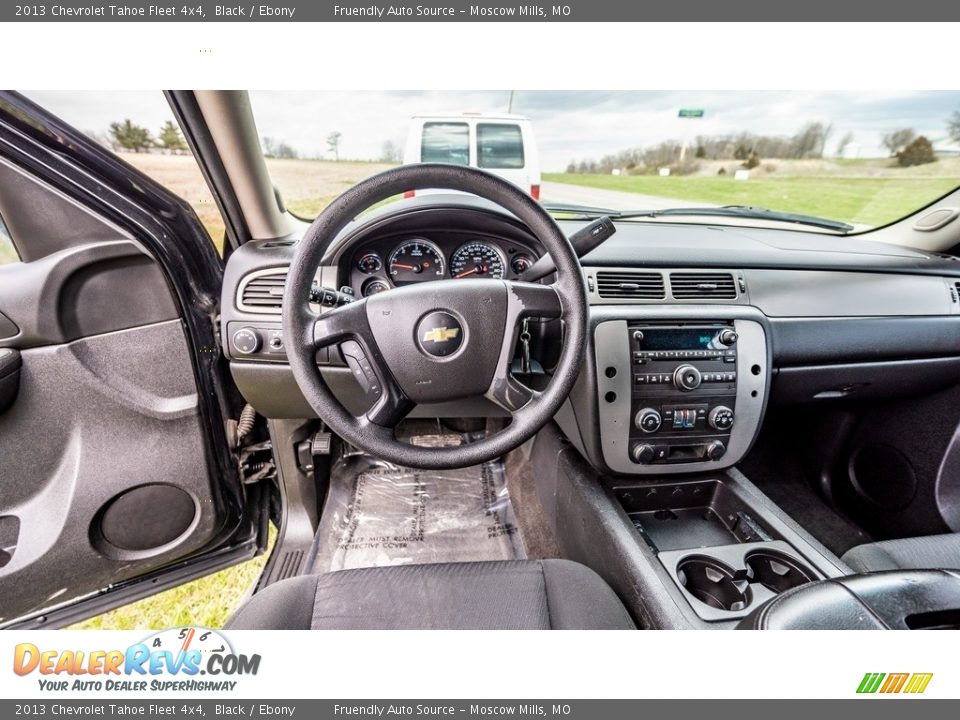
(892, 600)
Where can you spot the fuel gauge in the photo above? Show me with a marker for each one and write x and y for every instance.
(370, 263)
(520, 263)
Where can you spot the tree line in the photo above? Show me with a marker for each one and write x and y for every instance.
(750, 149)
(127, 135)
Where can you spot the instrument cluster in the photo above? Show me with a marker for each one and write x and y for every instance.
(382, 264)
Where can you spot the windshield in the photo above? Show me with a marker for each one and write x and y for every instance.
(857, 160)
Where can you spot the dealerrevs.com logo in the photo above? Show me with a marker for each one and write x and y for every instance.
(894, 683)
(170, 660)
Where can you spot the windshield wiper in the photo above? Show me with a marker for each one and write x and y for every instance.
(741, 211)
(737, 211)
(584, 211)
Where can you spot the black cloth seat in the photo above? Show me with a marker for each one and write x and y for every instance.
(940, 552)
(508, 595)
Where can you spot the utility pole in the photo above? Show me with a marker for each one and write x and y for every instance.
(510, 103)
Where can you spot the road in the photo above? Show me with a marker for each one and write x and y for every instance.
(553, 192)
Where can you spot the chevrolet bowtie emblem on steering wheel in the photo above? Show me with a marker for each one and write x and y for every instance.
(441, 334)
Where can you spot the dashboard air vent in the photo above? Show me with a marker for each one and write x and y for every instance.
(645, 286)
(703, 286)
(263, 292)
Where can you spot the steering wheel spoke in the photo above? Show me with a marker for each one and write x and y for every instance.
(342, 323)
(391, 408)
(347, 326)
(509, 393)
(533, 300)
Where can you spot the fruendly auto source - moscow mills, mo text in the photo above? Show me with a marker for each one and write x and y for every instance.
(440, 10)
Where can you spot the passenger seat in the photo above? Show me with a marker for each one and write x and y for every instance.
(940, 552)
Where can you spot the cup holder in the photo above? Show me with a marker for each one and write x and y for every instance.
(713, 583)
(776, 571)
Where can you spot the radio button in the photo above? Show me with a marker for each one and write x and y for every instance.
(643, 454)
(728, 337)
(687, 378)
(716, 450)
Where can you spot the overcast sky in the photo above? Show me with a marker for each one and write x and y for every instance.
(569, 125)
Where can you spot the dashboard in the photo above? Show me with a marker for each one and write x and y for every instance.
(694, 329)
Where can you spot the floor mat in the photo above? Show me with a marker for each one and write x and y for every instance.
(380, 514)
(771, 466)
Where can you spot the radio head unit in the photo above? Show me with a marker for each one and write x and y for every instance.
(678, 404)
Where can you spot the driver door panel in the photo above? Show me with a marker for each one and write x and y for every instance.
(104, 467)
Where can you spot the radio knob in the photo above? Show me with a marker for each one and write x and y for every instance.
(728, 337)
(648, 420)
(246, 340)
(716, 450)
(643, 454)
(686, 378)
(638, 335)
(720, 418)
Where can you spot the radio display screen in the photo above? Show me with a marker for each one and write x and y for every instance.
(680, 339)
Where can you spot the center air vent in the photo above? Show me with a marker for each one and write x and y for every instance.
(645, 286)
(262, 292)
(703, 286)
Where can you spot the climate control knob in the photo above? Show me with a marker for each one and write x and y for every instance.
(716, 450)
(648, 420)
(720, 418)
(643, 454)
(246, 340)
(686, 378)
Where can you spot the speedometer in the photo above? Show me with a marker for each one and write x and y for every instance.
(415, 261)
(479, 260)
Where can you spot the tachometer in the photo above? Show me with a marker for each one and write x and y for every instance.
(478, 260)
(415, 261)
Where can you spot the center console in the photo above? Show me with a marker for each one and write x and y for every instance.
(726, 554)
(679, 396)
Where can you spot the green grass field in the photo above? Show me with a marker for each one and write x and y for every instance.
(206, 602)
(860, 200)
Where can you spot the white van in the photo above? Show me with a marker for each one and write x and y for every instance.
(501, 144)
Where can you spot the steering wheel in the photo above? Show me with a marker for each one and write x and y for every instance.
(434, 341)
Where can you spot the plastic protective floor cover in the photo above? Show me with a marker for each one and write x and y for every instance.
(380, 514)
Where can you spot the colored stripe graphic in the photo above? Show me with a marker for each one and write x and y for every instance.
(893, 683)
(918, 682)
(870, 682)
